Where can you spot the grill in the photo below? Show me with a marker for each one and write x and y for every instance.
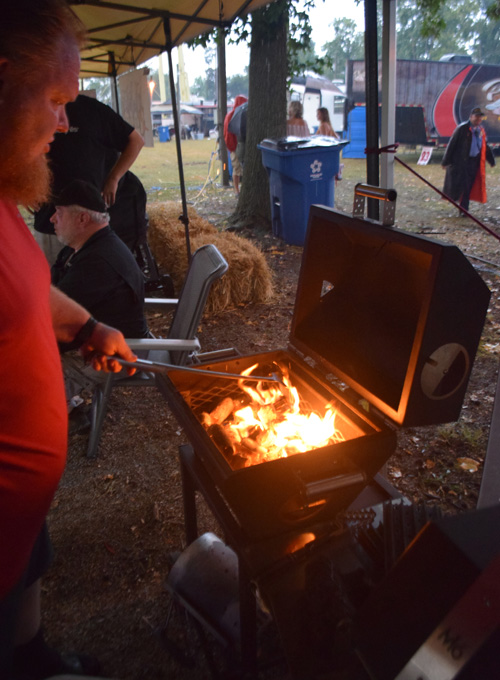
(386, 326)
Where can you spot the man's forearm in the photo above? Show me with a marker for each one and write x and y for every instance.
(127, 157)
(125, 160)
(97, 342)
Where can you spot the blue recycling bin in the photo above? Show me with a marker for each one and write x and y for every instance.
(163, 133)
(301, 173)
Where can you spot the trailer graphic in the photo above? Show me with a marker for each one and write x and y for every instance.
(443, 94)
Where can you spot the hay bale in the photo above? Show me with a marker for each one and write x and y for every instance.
(248, 278)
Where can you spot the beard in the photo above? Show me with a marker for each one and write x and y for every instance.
(22, 181)
(25, 177)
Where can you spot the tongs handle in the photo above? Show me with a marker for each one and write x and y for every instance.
(157, 367)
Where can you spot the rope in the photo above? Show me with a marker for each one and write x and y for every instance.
(214, 156)
(450, 200)
(390, 148)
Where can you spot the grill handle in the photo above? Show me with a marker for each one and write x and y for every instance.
(323, 487)
(388, 196)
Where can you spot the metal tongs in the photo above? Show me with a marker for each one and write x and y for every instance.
(157, 367)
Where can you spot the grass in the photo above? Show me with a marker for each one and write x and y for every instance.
(460, 432)
(158, 169)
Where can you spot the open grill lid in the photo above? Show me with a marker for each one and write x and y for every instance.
(396, 316)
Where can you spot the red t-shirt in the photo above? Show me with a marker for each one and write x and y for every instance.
(33, 418)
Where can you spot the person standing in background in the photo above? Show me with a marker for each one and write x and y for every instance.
(231, 141)
(296, 126)
(99, 147)
(465, 162)
(325, 127)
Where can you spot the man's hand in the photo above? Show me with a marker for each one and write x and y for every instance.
(109, 191)
(105, 342)
(126, 158)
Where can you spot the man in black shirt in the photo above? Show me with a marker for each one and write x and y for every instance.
(99, 147)
(96, 269)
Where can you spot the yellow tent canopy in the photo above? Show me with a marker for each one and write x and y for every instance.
(125, 34)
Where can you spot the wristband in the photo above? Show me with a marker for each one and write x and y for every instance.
(84, 333)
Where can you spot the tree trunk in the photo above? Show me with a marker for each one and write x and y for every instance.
(266, 115)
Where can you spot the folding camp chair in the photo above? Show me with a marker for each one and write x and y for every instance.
(179, 348)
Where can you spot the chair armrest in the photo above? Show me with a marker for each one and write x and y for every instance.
(169, 344)
(160, 304)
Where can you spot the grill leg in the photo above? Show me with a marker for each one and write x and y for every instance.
(189, 499)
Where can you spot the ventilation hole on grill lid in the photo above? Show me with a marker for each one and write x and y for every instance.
(445, 371)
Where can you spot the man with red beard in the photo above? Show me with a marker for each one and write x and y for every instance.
(39, 66)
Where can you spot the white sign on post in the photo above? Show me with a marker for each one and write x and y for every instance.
(425, 156)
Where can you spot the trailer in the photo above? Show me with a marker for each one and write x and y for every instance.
(433, 97)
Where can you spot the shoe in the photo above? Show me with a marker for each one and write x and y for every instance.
(78, 422)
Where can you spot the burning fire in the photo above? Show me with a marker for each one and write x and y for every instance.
(275, 424)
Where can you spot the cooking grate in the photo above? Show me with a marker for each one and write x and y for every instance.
(204, 400)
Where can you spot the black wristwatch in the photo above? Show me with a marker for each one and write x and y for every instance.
(84, 333)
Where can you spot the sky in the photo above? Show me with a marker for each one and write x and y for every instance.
(237, 56)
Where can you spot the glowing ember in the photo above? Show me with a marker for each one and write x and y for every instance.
(275, 424)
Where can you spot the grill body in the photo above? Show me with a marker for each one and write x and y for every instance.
(386, 325)
(282, 494)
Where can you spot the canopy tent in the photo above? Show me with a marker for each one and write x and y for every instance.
(125, 34)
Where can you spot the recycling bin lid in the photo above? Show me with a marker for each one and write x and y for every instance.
(290, 143)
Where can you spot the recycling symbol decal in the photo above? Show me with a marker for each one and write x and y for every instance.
(316, 169)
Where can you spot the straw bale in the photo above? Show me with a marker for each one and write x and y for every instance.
(248, 278)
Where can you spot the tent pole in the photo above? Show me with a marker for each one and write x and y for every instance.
(387, 135)
(114, 91)
(222, 102)
(175, 112)
(371, 85)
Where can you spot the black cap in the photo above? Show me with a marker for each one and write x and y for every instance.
(477, 112)
(81, 193)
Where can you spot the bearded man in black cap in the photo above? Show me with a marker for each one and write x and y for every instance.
(96, 269)
(465, 162)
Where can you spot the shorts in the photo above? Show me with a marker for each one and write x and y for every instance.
(41, 558)
(235, 162)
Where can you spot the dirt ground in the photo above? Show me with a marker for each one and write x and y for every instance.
(115, 520)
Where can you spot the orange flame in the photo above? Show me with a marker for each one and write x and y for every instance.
(277, 425)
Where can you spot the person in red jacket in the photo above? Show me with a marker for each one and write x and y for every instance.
(231, 141)
(36, 37)
(465, 162)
